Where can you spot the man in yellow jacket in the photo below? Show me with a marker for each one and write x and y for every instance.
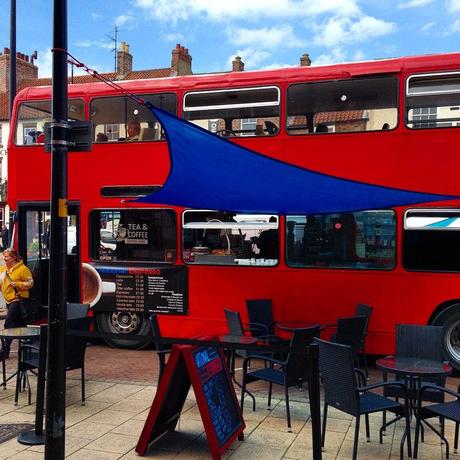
(16, 280)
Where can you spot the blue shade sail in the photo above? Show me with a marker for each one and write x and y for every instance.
(209, 172)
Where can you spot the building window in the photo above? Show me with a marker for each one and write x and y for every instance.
(111, 131)
(248, 126)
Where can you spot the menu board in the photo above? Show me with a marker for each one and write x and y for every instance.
(154, 290)
(204, 369)
(224, 413)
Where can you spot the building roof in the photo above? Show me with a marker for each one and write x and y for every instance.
(133, 75)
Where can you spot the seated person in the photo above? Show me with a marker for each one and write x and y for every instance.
(134, 128)
(101, 137)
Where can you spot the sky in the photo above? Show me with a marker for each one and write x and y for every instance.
(265, 33)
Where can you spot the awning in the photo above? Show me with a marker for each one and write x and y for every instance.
(210, 172)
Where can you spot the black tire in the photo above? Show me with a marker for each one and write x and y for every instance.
(124, 324)
(449, 319)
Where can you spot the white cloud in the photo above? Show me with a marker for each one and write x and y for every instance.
(414, 3)
(96, 16)
(125, 20)
(166, 10)
(338, 31)
(453, 6)
(174, 37)
(336, 55)
(94, 44)
(251, 57)
(359, 56)
(454, 28)
(428, 26)
(267, 38)
(45, 63)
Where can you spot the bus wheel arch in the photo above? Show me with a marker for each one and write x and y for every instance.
(125, 324)
(449, 318)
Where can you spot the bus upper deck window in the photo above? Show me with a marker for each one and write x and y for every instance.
(33, 115)
(343, 106)
(112, 117)
(433, 101)
(244, 112)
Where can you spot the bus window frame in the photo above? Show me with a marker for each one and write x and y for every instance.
(92, 238)
(408, 95)
(141, 95)
(275, 103)
(396, 77)
(391, 268)
(232, 225)
(406, 229)
(33, 101)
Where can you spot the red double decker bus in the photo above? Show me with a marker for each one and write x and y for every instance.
(393, 122)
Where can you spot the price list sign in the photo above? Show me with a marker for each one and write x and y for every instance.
(224, 413)
(157, 290)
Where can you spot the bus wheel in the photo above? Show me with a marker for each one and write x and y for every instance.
(126, 324)
(449, 319)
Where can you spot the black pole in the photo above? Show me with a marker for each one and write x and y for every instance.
(57, 300)
(314, 396)
(12, 73)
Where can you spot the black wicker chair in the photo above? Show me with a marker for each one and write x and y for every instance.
(351, 331)
(291, 372)
(74, 357)
(261, 322)
(342, 391)
(364, 310)
(449, 410)
(162, 349)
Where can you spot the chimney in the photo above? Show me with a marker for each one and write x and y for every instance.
(181, 61)
(237, 64)
(305, 60)
(124, 62)
(25, 70)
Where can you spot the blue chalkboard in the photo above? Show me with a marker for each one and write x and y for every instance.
(223, 410)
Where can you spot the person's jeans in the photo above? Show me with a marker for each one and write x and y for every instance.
(13, 319)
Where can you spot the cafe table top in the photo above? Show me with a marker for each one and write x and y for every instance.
(20, 332)
(295, 324)
(416, 367)
(237, 339)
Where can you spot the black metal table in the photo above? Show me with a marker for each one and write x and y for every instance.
(295, 324)
(33, 437)
(413, 367)
(19, 333)
(231, 354)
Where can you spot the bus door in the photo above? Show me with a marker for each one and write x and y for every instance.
(34, 221)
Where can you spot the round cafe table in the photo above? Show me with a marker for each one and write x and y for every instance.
(295, 324)
(413, 370)
(19, 333)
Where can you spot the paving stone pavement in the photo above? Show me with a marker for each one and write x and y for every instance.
(109, 425)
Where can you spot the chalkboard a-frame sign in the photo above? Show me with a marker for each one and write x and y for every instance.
(203, 368)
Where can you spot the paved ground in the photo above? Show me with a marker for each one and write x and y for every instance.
(120, 389)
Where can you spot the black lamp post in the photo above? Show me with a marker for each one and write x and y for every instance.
(57, 301)
(12, 70)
